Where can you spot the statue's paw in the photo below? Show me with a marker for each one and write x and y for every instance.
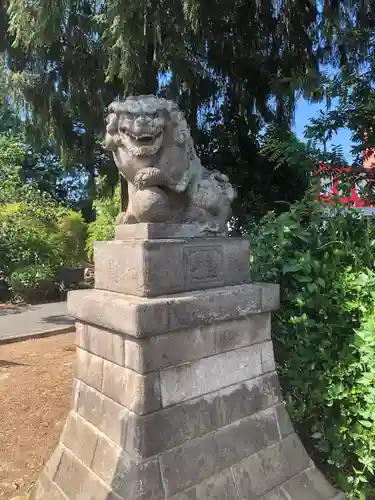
(125, 218)
(149, 177)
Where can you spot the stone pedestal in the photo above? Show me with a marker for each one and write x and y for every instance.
(175, 390)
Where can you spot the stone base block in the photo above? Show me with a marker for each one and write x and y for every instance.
(148, 268)
(158, 231)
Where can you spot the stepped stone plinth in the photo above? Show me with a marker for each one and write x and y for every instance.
(175, 393)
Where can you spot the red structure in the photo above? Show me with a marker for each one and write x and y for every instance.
(329, 180)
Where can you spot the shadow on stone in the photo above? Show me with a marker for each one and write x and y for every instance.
(59, 319)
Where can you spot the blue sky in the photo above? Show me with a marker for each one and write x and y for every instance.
(305, 111)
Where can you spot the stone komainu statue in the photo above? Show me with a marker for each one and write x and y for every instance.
(153, 150)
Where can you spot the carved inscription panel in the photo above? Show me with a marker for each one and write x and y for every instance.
(203, 264)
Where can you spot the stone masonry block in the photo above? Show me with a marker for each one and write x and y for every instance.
(246, 437)
(269, 468)
(308, 487)
(106, 458)
(149, 268)
(218, 487)
(104, 343)
(138, 480)
(199, 459)
(268, 358)
(248, 397)
(75, 393)
(77, 481)
(54, 462)
(185, 466)
(157, 432)
(276, 494)
(190, 380)
(162, 351)
(270, 299)
(80, 438)
(138, 393)
(142, 317)
(45, 489)
(108, 416)
(89, 369)
(285, 424)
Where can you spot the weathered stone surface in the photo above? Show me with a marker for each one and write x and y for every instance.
(154, 433)
(242, 332)
(189, 380)
(256, 475)
(247, 436)
(276, 494)
(309, 487)
(75, 393)
(148, 268)
(77, 481)
(270, 298)
(285, 424)
(104, 343)
(107, 455)
(89, 369)
(248, 397)
(138, 393)
(268, 358)
(156, 231)
(142, 317)
(108, 416)
(80, 438)
(161, 351)
(138, 480)
(54, 462)
(45, 489)
(218, 487)
(198, 459)
(166, 180)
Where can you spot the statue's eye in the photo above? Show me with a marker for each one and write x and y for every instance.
(122, 130)
(155, 115)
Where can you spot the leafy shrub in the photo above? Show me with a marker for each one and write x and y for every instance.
(324, 333)
(40, 233)
(72, 231)
(34, 283)
(103, 228)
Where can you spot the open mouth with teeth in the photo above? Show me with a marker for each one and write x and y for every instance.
(142, 139)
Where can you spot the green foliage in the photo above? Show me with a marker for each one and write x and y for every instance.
(72, 232)
(324, 333)
(34, 283)
(262, 183)
(103, 228)
(38, 234)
